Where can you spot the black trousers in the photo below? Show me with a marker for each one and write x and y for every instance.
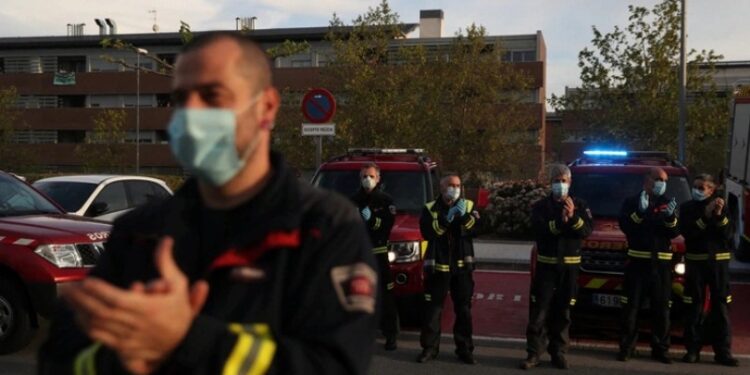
(700, 274)
(389, 322)
(437, 286)
(553, 292)
(646, 278)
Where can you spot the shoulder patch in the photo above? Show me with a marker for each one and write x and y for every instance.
(355, 285)
(392, 208)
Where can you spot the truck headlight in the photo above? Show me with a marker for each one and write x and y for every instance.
(404, 252)
(679, 268)
(63, 256)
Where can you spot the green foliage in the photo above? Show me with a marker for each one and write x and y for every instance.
(454, 100)
(630, 91)
(13, 157)
(288, 48)
(104, 150)
(509, 212)
(185, 34)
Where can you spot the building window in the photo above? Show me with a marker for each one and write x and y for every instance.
(35, 136)
(2, 65)
(301, 63)
(71, 101)
(36, 101)
(71, 64)
(521, 56)
(71, 136)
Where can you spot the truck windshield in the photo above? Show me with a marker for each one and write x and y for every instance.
(605, 192)
(17, 198)
(408, 189)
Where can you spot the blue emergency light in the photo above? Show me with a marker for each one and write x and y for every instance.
(605, 153)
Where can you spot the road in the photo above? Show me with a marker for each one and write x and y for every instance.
(500, 310)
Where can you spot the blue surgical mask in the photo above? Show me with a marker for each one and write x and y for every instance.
(659, 188)
(699, 195)
(452, 193)
(203, 141)
(560, 189)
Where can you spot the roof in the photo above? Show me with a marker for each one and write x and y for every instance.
(169, 39)
(99, 178)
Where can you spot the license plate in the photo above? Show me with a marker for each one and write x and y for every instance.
(606, 300)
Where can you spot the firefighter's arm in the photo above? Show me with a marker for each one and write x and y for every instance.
(692, 221)
(544, 224)
(720, 223)
(326, 311)
(470, 220)
(580, 225)
(432, 226)
(385, 217)
(670, 222)
(630, 218)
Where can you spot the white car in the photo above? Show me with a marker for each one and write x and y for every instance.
(103, 197)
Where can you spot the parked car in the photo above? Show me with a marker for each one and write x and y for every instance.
(103, 197)
(41, 247)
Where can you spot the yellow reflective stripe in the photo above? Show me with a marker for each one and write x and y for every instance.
(442, 267)
(390, 286)
(460, 263)
(688, 300)
(572, 260)
(436, 226)
(690, 256)
(546, 259)
(595, 283)
(579, 224)
(724, 222)
(723, 256)
(427, 297)
(635, 218)
(623, 299)
(639, 254)
(700, 223)
(573, 302)
(671, 224)
(380, 250)
(729, 298)
(670, 304)
(424, 247)
(665, 256)
(244, 359)
(553, 227)
(85, 362)
(376, 226)
(471, 222)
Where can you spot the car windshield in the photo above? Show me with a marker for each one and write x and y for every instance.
(605, 192)
(68, 194)
(17, 199)
(408, 189)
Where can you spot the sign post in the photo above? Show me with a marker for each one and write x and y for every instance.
(318, 107)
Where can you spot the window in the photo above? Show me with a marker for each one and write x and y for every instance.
(35, 136)
(70, 195)
(71, 64)
(520, 56)
(71, 136)
(408, 188)
(71, 101)
(114, 196)
(2, 65)
(142, 192)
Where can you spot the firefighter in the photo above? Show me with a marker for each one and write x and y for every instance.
(244, 270)
(705, 226)
(560, 222)
(448, 224)
(378, 212)
(649, 222)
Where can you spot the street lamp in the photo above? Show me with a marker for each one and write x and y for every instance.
(138, 53)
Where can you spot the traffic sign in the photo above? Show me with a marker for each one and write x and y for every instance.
(318, 130)
(318, 106)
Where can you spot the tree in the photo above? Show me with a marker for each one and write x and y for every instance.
(13, 156)
(104, 149)
(457, 101)
(630, 89)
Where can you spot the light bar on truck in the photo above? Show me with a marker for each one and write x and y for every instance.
(385, 151)
(605, 153)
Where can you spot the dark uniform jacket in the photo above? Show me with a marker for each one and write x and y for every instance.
(704, 237)
(291, 276)
(648, 232)
(383, 213)
(559, 242)
(450, 247)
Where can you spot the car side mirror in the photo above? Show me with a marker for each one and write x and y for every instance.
(97, 209)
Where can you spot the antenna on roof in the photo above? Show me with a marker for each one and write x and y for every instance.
(156, 25)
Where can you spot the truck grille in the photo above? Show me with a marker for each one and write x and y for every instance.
(90, 253)
(603, 261)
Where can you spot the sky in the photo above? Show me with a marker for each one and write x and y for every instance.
(720, 25)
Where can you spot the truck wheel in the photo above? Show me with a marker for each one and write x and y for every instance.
(15, 322)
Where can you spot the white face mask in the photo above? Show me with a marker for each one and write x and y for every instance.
(368, 183)
(452, 193)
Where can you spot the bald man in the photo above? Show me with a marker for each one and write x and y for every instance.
(448, 224)
(244, 271)
(649, 222)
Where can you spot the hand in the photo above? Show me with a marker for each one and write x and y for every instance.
(144, 324)
(569, 208)
(461, 207)
(643, 203)
(710, 208)
(366, 213)
(719, 203)
(452, 212)
(671, 207)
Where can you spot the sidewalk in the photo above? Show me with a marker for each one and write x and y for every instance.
(507, 254)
